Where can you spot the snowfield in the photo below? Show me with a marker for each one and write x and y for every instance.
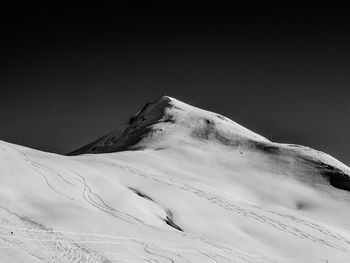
(176, 184)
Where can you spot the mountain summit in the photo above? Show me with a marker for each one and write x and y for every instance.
(167, 122)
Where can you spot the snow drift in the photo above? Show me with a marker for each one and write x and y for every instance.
(176, 184)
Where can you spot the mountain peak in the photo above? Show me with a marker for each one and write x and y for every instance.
(166, 122)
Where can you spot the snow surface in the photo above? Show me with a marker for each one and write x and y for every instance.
(176, 184)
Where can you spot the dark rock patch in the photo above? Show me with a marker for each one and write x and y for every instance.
(335, 176)
(221, 117)
(141, 194)
(169, 221)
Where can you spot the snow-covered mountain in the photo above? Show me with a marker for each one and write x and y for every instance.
(176, 184)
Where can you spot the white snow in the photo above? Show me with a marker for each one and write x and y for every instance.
(179, 184)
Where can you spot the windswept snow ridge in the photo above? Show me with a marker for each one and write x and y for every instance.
(176, 184)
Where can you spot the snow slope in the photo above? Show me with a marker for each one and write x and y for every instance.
(176, 184)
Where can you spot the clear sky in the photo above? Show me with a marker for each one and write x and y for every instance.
(67, 80)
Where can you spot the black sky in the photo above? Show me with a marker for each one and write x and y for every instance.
(67, 79)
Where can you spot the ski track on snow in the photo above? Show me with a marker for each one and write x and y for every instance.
(63, 248)
(248, 212)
